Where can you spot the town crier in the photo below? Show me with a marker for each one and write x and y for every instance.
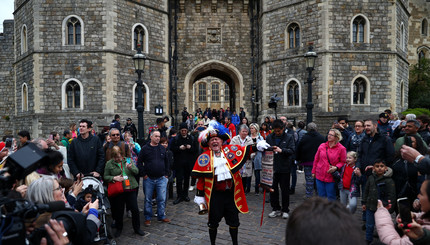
(219, 184)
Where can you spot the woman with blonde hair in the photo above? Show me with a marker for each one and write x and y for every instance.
(330, 157)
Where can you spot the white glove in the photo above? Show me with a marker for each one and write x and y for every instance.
(199, 200)
(262, 145)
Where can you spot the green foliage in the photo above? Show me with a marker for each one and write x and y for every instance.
(417, 111)
(419, 84)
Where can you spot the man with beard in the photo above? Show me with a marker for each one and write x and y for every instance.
(184, 152)
(411, 129)
(219, 185)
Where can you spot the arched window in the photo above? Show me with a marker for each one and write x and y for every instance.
(293, 35)
(421, 55)
(226, 92)
(72, 94)
(24, 45)
(359, 91)
(424, 27)
(360, 28)
(215, 92)
(73, 31)
(402, 94)
(202, 92)
(402, 37)
(24, 97)
(292, 93)
(140, 36)
(145, 97)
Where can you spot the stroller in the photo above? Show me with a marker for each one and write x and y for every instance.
(98, 193)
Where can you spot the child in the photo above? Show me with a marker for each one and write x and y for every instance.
(88, 197)
(350, 182)
(379, 185)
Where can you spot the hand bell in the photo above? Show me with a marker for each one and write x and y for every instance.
(203, 209)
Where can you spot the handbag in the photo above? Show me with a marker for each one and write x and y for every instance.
(115, 188)
(336, 175)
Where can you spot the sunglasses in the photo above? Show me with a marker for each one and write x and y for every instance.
(114, 134)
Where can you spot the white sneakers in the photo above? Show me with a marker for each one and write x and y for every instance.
(278, 213)
(191, 188)
(274, 214)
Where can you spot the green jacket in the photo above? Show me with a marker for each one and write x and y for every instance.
(370, 197)
(112, 169)
(401, 141)
(65, 142)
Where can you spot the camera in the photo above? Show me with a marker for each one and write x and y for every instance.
(17, 212)
(273, 103)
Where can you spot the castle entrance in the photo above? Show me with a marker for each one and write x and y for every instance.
(213, 84)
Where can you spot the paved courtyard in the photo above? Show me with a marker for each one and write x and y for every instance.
(187, 227)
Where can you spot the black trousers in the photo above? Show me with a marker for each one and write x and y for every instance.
(117, 204)
(222, 205)
(282, 180)
(183, 181)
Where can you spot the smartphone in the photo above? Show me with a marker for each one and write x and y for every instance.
(404, 211)
(8, 142)
(128, 160)
(382, 195)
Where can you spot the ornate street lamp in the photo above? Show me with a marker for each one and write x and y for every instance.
(310, 57)
(139, 64)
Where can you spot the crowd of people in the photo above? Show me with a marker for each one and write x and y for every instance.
(375, 161)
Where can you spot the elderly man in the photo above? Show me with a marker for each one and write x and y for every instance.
(411, 128)
(155, 173)
(115, 137)
(184, 151)
(219, 185)
(86, 154)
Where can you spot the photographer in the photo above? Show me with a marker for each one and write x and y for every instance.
(46, 190)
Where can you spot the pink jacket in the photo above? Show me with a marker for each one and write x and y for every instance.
(337, 155)
(386, 231)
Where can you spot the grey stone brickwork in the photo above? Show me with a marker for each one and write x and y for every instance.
(420, 9)
(214, 39)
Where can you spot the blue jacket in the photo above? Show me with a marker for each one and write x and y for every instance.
(235, 119)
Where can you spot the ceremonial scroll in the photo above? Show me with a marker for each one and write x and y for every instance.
(267, 169)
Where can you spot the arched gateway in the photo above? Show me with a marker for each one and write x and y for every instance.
(220, 70)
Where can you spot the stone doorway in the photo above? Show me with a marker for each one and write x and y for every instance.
(207, 78)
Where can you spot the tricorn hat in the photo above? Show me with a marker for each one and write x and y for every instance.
(214, 129)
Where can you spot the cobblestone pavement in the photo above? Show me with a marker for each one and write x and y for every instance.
(187, 227)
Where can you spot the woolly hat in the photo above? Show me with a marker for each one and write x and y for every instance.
(214, 129)
(384, 115)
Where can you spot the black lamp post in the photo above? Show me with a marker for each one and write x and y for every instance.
(139, 65)
(310, 57)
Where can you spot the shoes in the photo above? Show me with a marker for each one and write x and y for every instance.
(165, 220)
(187, 199)
(300, 171)
(285, 215)
(257, 193)
(139, 232)
(292, 191)
(191, 188)
(117, 233)
(141, 210)
(129, 213)
(147, 223)
(178, 200)
(274, 214)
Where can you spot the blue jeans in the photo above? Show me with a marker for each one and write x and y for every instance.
(326, 189)
(160, 185)
(370, 224)
(309, 181)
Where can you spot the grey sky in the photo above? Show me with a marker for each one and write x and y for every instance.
(6, 11)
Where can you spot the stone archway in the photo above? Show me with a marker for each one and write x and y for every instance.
(218, 69)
